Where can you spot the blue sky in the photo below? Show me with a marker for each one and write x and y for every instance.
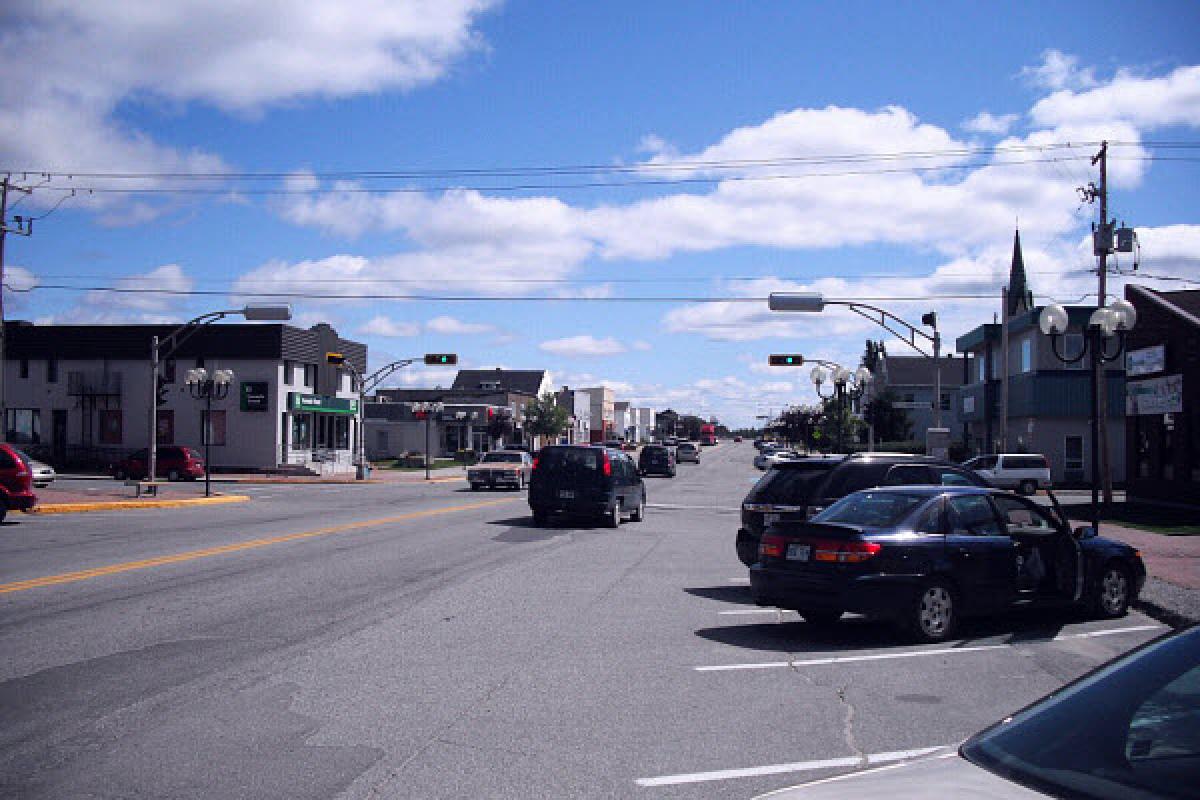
(291, 92)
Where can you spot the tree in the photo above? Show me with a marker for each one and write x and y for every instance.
(500, 426)
(891, 424)
(873, 354)
(545, 417)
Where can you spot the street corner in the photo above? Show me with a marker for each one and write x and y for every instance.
(121, 505)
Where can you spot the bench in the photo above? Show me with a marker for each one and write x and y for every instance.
(148, 487)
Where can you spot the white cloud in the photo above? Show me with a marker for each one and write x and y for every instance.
(449, 326)
(131, 304)
(1059, 70)
(986, 122)
(1147, 103)
(583, 346)
(386, 326)
(642, 346)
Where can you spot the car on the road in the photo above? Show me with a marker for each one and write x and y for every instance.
(924, 556)
(687, 451)
(174, 462)
(737, 439)
(1023, 472)
(586, 481)
(768, 458)
(798, 489)
(1127, 729)
(16, 482)
(657, 459)
(501, 468)
(43, 474)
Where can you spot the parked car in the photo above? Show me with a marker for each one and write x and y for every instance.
(1020, 471)
(508, 468)
(924, 556)
(656, 459)
(1129, 728)
(768, 458)
(16, 482)
(687, 451)
(586, 481)
(737, 439)
(175, 463)
(43, 474)
(795, 490)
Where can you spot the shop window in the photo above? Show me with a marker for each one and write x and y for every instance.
(1073, 458)
(302, 432)
(1141, 439)
(24, 425)
(212, 427)
(166, 426)
(341, 439)
(945, 401)
(110, 426)
(1166, 452)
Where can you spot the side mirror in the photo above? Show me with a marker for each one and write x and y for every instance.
(1085, 532)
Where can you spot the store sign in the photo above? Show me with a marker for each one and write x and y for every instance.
(254, 396)
(1146, 361)
(322, 404)
(1154, 396)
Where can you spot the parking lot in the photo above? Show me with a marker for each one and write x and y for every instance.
(427, 641)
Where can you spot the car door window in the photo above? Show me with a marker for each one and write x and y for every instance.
(907, 475)
(953, 477)
(1021, 517)
(972, 515)
(931, 520)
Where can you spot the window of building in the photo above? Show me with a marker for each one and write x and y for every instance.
(982, 362)
(24, 367)
(169, 370)
(341, 438)
(1073, 457)
(381, 441)
(909, 397)
(213, 430)
(52, 370)
(200, 361)
(1027, 355)
(310, 375)
(110, 426)
(166, 426)
(1166, 452)
(24, 425)
(301, 431)
(945, 401)
(289, 367)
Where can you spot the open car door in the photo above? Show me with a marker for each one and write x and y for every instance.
(1068, 560)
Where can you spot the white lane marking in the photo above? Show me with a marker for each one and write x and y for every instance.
(846, 775)
(674, 507)
(941, 651)
(745, 581)
(778, 769)
(756, 611)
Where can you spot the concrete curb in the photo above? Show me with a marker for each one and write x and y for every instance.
(117, 505)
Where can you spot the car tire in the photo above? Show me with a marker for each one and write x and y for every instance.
(613, 518)
(173, 475)
(1027, 488)
(3, 511)
(933, 614)
(1110, 599)
(639, 513)
(821, 618)
(474, 487)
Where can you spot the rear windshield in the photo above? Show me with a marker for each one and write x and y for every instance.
(191, 452)
(853, 477)
(570, 459)
(502, 458)
(1024, 462)
(871, 509)
(793, 485)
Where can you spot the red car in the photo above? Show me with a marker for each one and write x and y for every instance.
(16, 482)
(175, 463)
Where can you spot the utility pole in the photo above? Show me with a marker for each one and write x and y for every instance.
(24, 227)
(1105, 242)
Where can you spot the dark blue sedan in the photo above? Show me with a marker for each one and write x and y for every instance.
(925, 556)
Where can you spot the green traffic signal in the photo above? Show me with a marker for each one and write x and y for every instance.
(441, 359)
(786, 360)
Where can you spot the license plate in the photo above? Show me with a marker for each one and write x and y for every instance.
(798, 552)
(770, 519)
(566, 494)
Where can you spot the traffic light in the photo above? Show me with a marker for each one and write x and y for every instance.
(786, 360)
(336, 359)
(160, 390)
(929, 319)
(441, 359)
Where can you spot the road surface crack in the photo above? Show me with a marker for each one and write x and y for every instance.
(848, 726)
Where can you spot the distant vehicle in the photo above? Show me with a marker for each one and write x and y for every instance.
(1128, 728)
(924, 556)
(768, 458)
(737, 438)
(1023, 472)
(16, 482)
(43, 474)
(174, 463)
(708, 435)
(657, 459)
(586, 481)
(796, 490)
(629, 447)
(687, 451)
(508, 468)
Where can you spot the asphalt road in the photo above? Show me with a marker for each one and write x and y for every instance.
(427, 641)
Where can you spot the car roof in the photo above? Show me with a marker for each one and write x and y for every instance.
(931, 490)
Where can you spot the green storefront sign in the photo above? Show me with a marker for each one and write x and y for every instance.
(254, 395)
(322, 404)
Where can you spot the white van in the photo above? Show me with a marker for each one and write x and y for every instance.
(1024, 472)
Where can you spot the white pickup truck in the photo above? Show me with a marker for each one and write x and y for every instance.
(1024, 472)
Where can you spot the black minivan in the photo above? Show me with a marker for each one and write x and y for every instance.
(586, 481)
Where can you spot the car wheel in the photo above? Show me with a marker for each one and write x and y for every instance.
(3, 512)
(1027, 488)
(173, 475)
(474, 487)
(1111, 599)
(821, 618)
(934, 613)
(639, 513)
(613, 518)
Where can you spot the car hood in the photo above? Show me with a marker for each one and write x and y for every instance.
(944, 774)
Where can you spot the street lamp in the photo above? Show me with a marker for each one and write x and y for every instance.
(167, 347)
(204, 387)
(844, 383)
(1106, 324)
(428, 410)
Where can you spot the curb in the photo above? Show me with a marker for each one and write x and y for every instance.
(116, 505)
(1167, 616)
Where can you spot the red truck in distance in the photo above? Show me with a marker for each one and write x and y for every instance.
(708, 435)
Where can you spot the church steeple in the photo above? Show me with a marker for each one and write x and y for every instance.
(1020, 298)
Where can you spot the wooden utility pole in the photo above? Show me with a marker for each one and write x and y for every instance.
(1104, 242)
(24, 229)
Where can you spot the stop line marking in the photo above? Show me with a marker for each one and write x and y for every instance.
(940, 651)
(779, 769)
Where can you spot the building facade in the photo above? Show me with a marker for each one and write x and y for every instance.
(578, 404)
(603, 413)
(471, 419)
(911, 379)
(79, 396)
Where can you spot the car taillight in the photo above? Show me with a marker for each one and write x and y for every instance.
(607, 466)
(771, 545)
(844, 552)
(534, 463)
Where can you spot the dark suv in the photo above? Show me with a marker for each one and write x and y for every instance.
(656, 459)
(795, 490)
(586, 481)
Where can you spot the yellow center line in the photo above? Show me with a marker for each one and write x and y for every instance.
(191, 555)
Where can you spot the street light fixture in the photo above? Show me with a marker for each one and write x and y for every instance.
(845, 383)
(203, 387)
(1104, 325)
(428, 410)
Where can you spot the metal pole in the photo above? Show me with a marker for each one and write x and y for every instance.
(427, 415)
(208, 393)
(152, 450)
(3, 362)
(937, 377)
(1099, 381)
(1093, 342)
(841, 396)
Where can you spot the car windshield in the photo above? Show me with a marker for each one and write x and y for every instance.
(502, 458)
(872, 509)
(570, 459)
(1130, 729)
(793, 485)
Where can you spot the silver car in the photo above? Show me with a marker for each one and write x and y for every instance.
(686, 451)
(43, 474)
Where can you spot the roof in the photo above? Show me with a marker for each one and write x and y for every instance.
(1020, 299)
(918, 371)
(527, 381)
(1184, 304)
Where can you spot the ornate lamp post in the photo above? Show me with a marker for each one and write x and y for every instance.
(204, 387)
(844, 383)
(427, 410)
(1107, 324)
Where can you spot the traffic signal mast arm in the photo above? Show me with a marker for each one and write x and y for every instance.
(885, 320)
